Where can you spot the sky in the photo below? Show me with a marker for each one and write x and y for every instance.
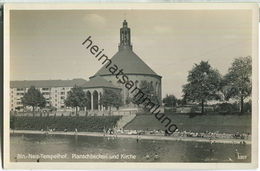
(47, 44)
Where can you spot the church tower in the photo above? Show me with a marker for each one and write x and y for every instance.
(125, 37)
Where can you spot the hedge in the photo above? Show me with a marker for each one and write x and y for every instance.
(87, 123)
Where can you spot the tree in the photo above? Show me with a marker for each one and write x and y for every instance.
(170, 101)
(204, 83)
(76, 98)
(238, 80)
(33, 98)
(181, 101)
(149, 91)
(111, 98)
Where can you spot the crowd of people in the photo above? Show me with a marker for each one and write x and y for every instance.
(209, 135)
(182, 134)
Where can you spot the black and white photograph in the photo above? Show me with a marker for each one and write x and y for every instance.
(164, 86)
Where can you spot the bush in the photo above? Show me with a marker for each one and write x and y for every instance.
(227, 108)
(90, 123)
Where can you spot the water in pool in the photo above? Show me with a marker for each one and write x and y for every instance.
(64, 148)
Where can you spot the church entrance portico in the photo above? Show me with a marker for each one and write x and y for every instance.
(94, 97)
(94, 90)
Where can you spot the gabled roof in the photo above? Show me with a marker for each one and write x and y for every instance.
(46, 83)
(98, 82)
(127, 60)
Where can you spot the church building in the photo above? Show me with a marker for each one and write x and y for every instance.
(134, 67)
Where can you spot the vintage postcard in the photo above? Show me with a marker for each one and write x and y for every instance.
(109, 85)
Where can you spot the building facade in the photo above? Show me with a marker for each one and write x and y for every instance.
(56, 91)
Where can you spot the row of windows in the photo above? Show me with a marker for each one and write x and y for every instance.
(43, 89)
(47, 99)
(48, 89)
(62, 98)
(44, 93)
(48, 93)
(20, 103)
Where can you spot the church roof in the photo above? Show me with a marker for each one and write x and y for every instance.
(97, 82)
(126, 59)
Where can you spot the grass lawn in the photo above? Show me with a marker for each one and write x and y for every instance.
(200, 123)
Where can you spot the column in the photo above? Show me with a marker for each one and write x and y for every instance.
(101, 106)
(98, 101)
(92, 104)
